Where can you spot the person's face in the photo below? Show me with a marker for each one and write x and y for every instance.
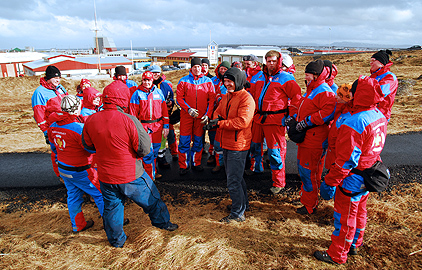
(205, 68)
(249, 64)
(375, 64)
(54, 81)
(123, 78)
(222, 70)
(309, 77)
(96, 101)
(147, 83)
(196, 70)
(271, 63)
(156, 75)
(229, 84)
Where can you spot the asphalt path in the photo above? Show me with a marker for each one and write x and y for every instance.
(35, 169)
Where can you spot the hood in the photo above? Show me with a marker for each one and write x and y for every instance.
(331, 72)
(45, 84)
(291, 69)
(237, 76)
(383, 70)
(116, 94)
(90, 94)
(253, 71)
(368, 93)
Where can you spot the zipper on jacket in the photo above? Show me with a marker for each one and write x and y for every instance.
(235, 135)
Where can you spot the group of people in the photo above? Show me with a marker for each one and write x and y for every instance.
(246, 108)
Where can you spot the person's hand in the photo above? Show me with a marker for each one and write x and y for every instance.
(212, 124)
(46, 137)
(286, 120)
(204, 120)
(165, 132)
(193, 112)
(300, 126)
(327, 192)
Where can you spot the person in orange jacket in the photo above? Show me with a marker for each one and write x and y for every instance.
(233, 117)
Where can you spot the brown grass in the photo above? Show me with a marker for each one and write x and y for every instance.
(272, 237)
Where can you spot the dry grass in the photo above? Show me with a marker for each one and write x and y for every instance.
(272, 237)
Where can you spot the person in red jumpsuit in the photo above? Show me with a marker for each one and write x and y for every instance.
(276, 94)
(316, 110)
(149, 106)
(361, 138)
(195, 95)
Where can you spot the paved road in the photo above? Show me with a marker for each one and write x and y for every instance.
(35, 170)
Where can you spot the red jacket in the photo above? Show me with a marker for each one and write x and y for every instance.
(237, 109)
(149, 105)
(317, 107)
(196, 92)
(118, 138)
(65, 137)
(389, 84)
(274, 93)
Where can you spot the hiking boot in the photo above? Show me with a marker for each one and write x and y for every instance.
(198, 168)
(158, 176)
(88, 225)
(216, 169)
(171, 227)
(162, 163)
(323, 256)
(211, 160)
(183, 171)
(126, 221)
(303, 211)
(175, 157)
(231, 218)
(353, 251)
(276, 190)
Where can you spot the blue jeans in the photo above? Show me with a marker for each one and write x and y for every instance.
(144, 193)
(234, 161)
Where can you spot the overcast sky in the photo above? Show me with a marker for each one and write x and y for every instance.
(69, 23)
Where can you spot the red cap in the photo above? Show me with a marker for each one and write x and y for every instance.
(147, 75)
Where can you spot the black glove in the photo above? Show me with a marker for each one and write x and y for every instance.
(300, 126)
(212, 124)
(46, 138)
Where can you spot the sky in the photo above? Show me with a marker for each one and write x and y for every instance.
(70, 23)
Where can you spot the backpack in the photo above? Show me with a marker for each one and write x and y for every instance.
(375, 178)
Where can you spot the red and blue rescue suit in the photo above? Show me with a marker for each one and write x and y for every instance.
(317, 109)
(149, 106)
(120, 142)
(276, 96)
(45, 101)
(74, 164)
(360, 140)
(195, 92)
(389, 84)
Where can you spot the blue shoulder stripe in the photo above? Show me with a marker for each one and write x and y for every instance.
(320, 89)
(361, 120)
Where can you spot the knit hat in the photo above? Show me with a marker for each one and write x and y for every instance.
(120, 70)
(225, 64)
(237, 76)
(343, 91)
(147, 75)
(70, 104)
(52, 72)
(195, 61)
(315, 67)
(206, 61)
(237, 64)
(154, 68)
(383, 56)
(250, 57)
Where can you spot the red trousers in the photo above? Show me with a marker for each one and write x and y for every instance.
(190, 130)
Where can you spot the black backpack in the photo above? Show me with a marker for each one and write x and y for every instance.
(375, 178)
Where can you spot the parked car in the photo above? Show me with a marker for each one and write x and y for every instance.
(136, 72)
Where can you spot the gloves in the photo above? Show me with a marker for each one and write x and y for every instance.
(286, 120)
(327, 192)
(300, 126)
(193, 112)
(204, 120)
(212, 124)
(165, 132)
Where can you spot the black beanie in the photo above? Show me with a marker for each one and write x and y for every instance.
(120, 70)
(237, 76)
(383, 56)
(315, 67)
(52, 72)
(354, 86)
(195, 61)
(206, 61)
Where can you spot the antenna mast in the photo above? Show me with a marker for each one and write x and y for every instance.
(97, 48)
